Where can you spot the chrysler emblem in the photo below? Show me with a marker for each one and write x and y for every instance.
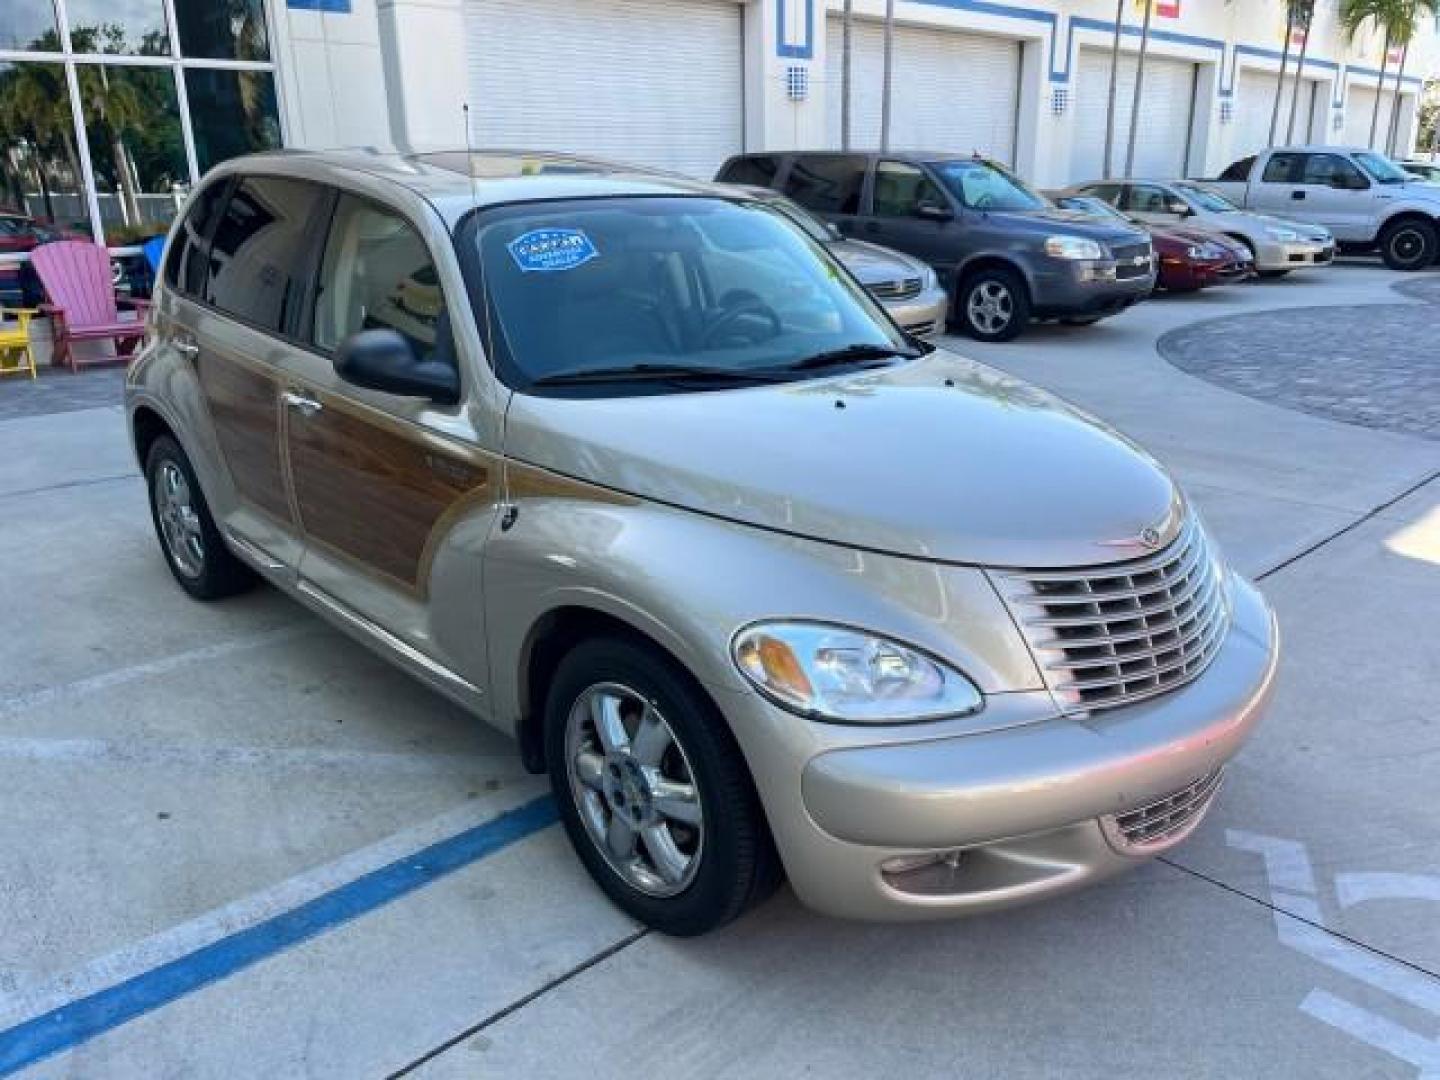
(1150, 536)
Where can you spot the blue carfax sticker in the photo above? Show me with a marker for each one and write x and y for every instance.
(547, 250)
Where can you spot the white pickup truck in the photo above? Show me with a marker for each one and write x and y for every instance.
(1361, 196)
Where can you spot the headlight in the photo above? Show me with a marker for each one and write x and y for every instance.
(848, 676)
(1073, 247)
(1281, 234)
(1195, 251)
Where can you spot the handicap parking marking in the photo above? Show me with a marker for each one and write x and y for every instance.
(46, 1020)
(1300, 925)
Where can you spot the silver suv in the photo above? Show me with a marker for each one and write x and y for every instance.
(630, 468)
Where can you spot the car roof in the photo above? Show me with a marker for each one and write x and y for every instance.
(456, 181)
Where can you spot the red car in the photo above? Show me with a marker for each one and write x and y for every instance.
(1190, 259)
(19, 234)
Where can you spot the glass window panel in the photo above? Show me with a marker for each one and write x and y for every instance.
(378, 274)
(127, 27)
(260, 251)
(29, 25)
(231, 113)
(132, 124)
(188, 269)
(223, 29)
(40, 178)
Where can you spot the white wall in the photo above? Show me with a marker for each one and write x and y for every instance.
(333, 91)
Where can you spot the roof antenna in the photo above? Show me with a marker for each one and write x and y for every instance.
(470, 155)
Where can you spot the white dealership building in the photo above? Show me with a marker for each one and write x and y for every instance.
(680, 84)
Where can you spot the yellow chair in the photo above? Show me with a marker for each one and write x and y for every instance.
(16, 355)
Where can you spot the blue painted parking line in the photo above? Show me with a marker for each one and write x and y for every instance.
(79, 1021)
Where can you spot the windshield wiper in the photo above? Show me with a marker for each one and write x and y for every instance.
(849, 354)
(653, 373)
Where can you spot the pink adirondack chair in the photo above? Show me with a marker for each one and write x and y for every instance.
(83, 305)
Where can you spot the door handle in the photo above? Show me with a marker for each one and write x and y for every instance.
(1297, 194)
(302, 403)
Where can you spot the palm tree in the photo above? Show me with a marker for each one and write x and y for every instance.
(1290, 6)
(1114, 81)
(1301, 13)
(1386, 14)
(1403, 35)
(1139, 83)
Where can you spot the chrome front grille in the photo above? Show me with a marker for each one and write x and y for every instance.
(1165, 821)
(901, 289)
(1110, 635)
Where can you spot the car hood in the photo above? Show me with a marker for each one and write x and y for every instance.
(1245, 220)
(1053, 220)
(871, 263)
(939, 458)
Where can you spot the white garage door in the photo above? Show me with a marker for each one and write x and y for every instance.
(1359, 108)
(1162, 141)
(950, 92)
(655, 82)
(1254, 102)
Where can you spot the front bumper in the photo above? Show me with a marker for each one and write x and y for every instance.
(924, 315)
(1067, 289)
(1293, 254)
(1200, 273)
(1026, 811)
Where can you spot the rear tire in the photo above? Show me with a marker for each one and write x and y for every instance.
(1409, 245)
(992, 304)
(655, 794)
(195, 552)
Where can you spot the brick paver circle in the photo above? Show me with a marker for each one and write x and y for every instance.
(1376, 365)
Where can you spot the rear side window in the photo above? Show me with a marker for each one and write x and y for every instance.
(189, 262)
(260, 251)
(378, 275)
(1284, 169)
(827, 185)
(1240, 171)
(758, 171)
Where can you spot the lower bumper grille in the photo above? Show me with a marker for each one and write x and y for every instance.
(1165, 821)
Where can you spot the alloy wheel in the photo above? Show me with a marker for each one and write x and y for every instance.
(990, 307)
(179, 520)
(1407, 245)
(634, 788)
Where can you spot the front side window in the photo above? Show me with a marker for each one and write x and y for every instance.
(1148, 199)
(827, 185)
(901, 189)
(979, 185)
(659, 286)
(260, 251)
(377, 274)
(1332, 170)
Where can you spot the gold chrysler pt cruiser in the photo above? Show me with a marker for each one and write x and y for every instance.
(631, 468)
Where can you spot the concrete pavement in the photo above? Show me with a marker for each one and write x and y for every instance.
(174, 774)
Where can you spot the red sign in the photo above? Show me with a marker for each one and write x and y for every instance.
(1167, 9)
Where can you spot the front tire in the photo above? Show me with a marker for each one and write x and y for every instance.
(653, 790)
(1409, 245)
(194, 550)
(993, 304)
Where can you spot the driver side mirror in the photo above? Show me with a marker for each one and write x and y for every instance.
(384, 360)
(1178, 207)
(933, 211)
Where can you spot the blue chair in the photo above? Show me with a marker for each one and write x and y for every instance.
(153, 249)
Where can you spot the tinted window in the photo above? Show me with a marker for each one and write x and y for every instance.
(259, 256)
(1240, 170)
(827, 185)
(378, 275)
(1332, 170)
(900, 188)
(188, 265)
(758, 171)
(1284, 169)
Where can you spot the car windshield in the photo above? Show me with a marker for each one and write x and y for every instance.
(1381, 168)
(1206, 199)
(979, 185)
(659, 294)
